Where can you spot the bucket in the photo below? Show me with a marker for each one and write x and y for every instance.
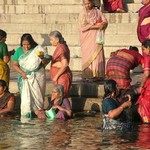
(50, 114)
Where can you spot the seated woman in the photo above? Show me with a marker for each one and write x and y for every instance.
(114, 116)
(60, 104)
(7, 100)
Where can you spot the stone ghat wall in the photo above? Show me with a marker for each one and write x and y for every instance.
(39, 17)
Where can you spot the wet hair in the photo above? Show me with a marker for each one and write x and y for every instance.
(60, 89)
(58, 35)
(146, 43)
(109, 87)
(28, 37)
(134, 48)
(3, 34)
(4, 85)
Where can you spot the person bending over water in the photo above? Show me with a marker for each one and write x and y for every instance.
(114, 116)
(7, 100)
(29, 61)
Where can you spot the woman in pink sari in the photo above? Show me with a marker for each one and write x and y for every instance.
(143, 29)
(91, 22)
(144, 99)
(60, 72)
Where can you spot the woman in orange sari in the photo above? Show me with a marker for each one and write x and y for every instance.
(60, 72)
(91, 22)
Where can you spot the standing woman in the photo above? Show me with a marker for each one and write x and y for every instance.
(60, 72)
(29, 60)
(143, 29)
(4, 58)
(144, 99)
(91, 21)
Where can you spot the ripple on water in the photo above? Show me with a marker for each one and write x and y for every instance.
(75, 134)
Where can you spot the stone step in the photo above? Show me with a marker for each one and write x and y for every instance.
(27, 2)
(79, 87)
(110, 40)
(134, 7)
(132, 1)
(66, 28)
(54, 18)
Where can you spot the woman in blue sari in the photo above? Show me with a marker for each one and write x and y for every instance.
(29, 60)
(114, 116)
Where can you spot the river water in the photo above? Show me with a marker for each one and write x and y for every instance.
(78, 133)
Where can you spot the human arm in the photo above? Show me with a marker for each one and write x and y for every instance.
(9, 107)
(64, 107)
(5, 53)
(116, 112)
(63, 65)
(19, 70)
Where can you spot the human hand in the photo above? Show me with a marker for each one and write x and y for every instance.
(126, 104)
(24, 75)
(55, 107)
(55, 79)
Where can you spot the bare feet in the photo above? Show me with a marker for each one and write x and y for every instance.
(119, 10)
(40, 114)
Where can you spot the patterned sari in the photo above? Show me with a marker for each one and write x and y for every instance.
(143, 31)
(32, 89)
(118, 67)
(65, 79)
(93, 60)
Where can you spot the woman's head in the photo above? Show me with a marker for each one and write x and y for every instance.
(88, 4)
(3, 86)
(58, 92)
(27, 42)
(110, 87)
(56, 38)
(146, 46)
(134, 48)
(3, 36)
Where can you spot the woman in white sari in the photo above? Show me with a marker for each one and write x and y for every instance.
(29, 60)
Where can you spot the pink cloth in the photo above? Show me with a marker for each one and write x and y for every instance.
(112, 5)
(65, 79)
(143, 31)
(144, 99)
(93, 61)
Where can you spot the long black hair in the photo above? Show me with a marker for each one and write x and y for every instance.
(110, 86)
(4, 85)
(146, 43)
(29, 38)
(3, 34)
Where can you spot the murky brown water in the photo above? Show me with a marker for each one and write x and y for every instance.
(76, 134)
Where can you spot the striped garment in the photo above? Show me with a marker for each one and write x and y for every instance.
(118, 69)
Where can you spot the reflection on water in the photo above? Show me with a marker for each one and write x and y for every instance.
(74, 134)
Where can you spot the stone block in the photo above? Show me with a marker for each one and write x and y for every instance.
(62, 18)
(33, 9)
(127, 29)
(10, 9)
(50, 2)
(124, 40)
(5, 18)
(121, 17)
(111, 29)
(2, 9)
(62, 9)
(134, 7)
(20, 9)
(28, 18)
